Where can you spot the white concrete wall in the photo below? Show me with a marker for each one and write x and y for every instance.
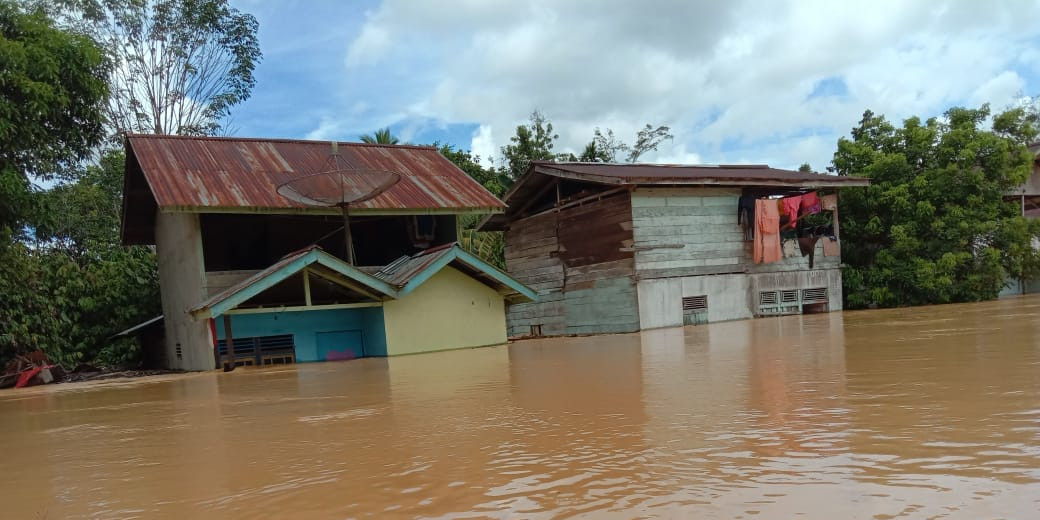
(182, 278)
(660, 300)
(730, 296)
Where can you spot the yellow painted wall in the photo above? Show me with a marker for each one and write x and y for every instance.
(451, 310)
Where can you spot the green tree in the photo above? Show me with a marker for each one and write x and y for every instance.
(52, 96)
(76, 285)
(532, 142)
(488, 245)
(179, 66)
(381, 136)
(469, 163)
(647, 140)
(603, 148)
(805, 168)
(934, 225)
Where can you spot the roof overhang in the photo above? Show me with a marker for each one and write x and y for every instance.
(542, 175)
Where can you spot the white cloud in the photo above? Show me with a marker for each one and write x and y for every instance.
(732, 79)
(483, 144)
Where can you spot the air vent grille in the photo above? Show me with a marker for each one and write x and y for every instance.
(695, 303)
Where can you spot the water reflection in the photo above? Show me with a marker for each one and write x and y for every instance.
(916, 413)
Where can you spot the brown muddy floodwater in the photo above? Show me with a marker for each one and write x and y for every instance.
(911, 413)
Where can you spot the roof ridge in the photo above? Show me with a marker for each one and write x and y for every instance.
(275, 140)
(657, 165)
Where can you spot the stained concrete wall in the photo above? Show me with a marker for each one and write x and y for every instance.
(178, 247)
(450, 310)
(730, 297)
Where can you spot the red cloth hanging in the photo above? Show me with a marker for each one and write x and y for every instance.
(791, 205)
(767, 235)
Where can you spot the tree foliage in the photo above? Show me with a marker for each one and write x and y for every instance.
(488, 245)
(934, 225)
(381, 136)
(179, 66)
(532, 142)
(74, 285)
(52, 95)
(604, 147)
(647, 140)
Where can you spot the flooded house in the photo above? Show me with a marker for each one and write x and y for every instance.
(1027, 197)
(624, 247)
(251, 276)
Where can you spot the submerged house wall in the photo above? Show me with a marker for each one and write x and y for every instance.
(307, 325)
(580, 262)
(689, 244)
(450, 310)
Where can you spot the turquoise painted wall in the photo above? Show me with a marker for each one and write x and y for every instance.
(305, 326)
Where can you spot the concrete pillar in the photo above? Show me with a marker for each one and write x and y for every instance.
(182, 275)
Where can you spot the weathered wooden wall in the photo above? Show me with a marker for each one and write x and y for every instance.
(579, 260)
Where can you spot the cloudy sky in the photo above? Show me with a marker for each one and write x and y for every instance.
(773, 82)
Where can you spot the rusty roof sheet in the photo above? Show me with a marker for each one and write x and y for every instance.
(649, 174)
(221, 174)
(401, 271)
(542, 173)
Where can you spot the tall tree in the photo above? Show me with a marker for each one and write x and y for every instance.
(77, 285)
(52, 98)
(604, 147)
(647, 140)
(532, 142)
(934, 225)
(52, 95)
(179, 66)
(381, 136)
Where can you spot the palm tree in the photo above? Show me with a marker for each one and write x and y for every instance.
(381, 136)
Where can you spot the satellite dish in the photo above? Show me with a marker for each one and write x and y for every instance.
(339, 187)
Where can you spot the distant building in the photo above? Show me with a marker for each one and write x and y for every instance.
(1027, 196)
(235, 254)
(624, 247)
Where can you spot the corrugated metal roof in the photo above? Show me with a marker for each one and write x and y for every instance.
(401, 271)
(219, 173)
(542, 173)
(649, 174)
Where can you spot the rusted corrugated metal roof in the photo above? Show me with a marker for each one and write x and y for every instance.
(224, 174)
(401, 271)
(542, 173)
(650, 174)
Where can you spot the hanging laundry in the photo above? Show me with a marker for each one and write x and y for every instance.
(790, 248)
(810, 204)
(767, 237)
(790, 208)
(829, 202)
(808, 247)
(746, 215)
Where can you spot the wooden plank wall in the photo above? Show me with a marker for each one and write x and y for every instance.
(694, 231)
(580, 262)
